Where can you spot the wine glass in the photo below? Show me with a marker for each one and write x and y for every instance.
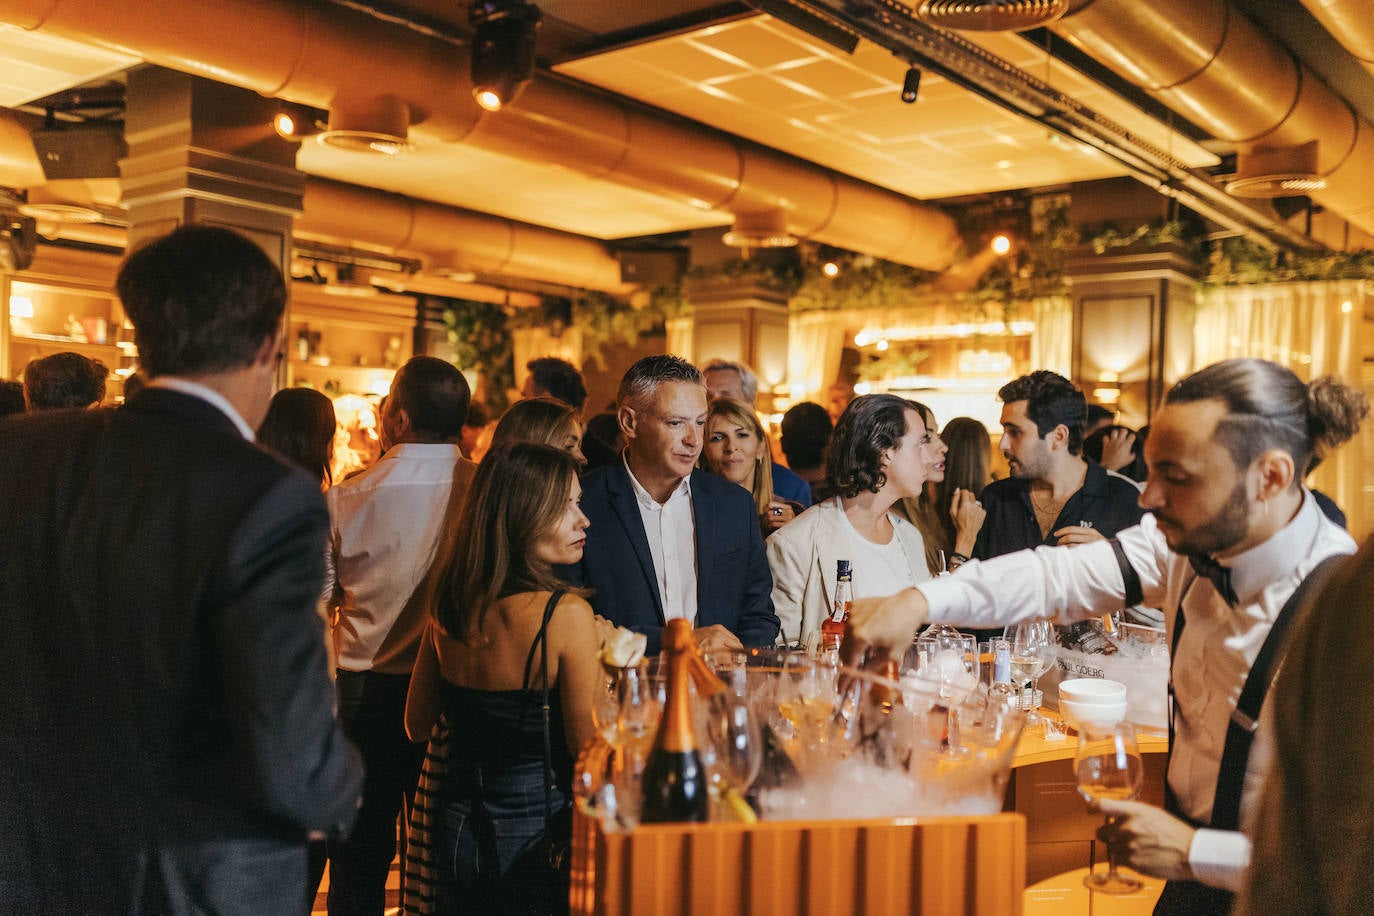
(1108, 765)
(640, 706)
(733, 750)
(1033, 649)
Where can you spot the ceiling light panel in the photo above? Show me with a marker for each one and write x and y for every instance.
(34, 65)
(764, 80)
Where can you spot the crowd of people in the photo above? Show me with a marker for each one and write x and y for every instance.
(227, 669)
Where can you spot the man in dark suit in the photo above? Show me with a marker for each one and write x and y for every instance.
(667, 540)
(168, 740)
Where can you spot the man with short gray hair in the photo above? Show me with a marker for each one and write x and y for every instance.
(666, 539)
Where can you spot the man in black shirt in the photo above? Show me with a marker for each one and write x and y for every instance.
(1054, 495)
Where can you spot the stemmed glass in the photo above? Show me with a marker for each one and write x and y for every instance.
(1032, 652)
(734, 749)
(1108, 765)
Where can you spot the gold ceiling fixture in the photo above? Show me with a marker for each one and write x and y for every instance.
(990, 15)
(1284, 171)
(376, 125)
(767, 229)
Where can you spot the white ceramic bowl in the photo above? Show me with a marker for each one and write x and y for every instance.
(1101, 713)
(1092, 690)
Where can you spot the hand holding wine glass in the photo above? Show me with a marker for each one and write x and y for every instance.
(1108, 766)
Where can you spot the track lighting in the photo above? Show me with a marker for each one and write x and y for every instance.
(296, 122)
(911, 85)
(502, 50)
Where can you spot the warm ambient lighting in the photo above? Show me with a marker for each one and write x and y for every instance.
(1001, 245)
(21, 307)
(296, 122)
(882, 346)
(911, 85)
(502, 50)
(830, 269)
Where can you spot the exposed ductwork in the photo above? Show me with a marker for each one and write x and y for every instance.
(447, 237)
(1209, 62)
(314, 55)
(1352, 24)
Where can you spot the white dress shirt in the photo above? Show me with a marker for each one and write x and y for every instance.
(384, 525)
(1214, 654)
(671, 530)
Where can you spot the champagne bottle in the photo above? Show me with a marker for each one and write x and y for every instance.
(674, 784)
(833, 627)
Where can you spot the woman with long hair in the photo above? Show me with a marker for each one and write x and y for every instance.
(737, 448)
(880, 453)
(955, 497)
(545, 420)
(300, 426)
(510, 658)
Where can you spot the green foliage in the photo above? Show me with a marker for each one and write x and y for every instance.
(480, 335)
(607, 321)
(865, 283)
(1240, 262)
(1148, 235)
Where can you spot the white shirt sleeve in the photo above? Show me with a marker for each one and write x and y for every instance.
(1219, 858)
(1066, 583)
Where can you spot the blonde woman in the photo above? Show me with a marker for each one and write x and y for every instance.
(547, 421)
(737, 449)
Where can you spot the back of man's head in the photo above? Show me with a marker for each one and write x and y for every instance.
(202, 300)
(559, 379)
(642, 380)
(806, 429)
(1051, 401)
(435, 397)
(11, 397)
(64, 380)
(1267, 406)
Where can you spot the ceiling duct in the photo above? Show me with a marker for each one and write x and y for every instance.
(314, 57)
(1206, 60)
(1351, 22)
(991, 15)
(1288, 171)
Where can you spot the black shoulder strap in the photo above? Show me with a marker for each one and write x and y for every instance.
(541, 639)
(1240, 731)
(1135, 593)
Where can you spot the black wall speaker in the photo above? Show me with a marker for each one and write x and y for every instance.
(80, 150)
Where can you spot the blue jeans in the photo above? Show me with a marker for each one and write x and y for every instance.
(491, 855)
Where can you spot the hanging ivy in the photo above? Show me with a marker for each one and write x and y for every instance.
(481, 339)
(1240, 261)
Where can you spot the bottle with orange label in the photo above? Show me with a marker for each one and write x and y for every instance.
(833, 627)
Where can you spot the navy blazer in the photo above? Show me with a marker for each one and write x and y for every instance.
(734, 586)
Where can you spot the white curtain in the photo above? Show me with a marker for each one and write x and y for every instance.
(679, 332)
(814, 342)
(1313, 329)
(1052, 339)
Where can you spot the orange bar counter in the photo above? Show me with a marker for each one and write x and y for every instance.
(935, 865)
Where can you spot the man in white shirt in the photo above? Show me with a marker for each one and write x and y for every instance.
(666, 539)
(385, 524)
(1224, 490)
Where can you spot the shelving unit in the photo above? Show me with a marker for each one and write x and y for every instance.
(348, 344)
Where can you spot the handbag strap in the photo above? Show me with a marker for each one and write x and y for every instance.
(542, 641)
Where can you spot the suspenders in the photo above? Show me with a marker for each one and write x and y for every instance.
(1240, 731)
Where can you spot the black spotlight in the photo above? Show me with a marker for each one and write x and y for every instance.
(502, 50)
(911, 85)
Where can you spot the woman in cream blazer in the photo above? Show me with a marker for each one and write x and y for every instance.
(881, 451)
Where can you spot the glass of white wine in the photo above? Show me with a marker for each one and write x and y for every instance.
(1108, 765)
(1033, 649)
